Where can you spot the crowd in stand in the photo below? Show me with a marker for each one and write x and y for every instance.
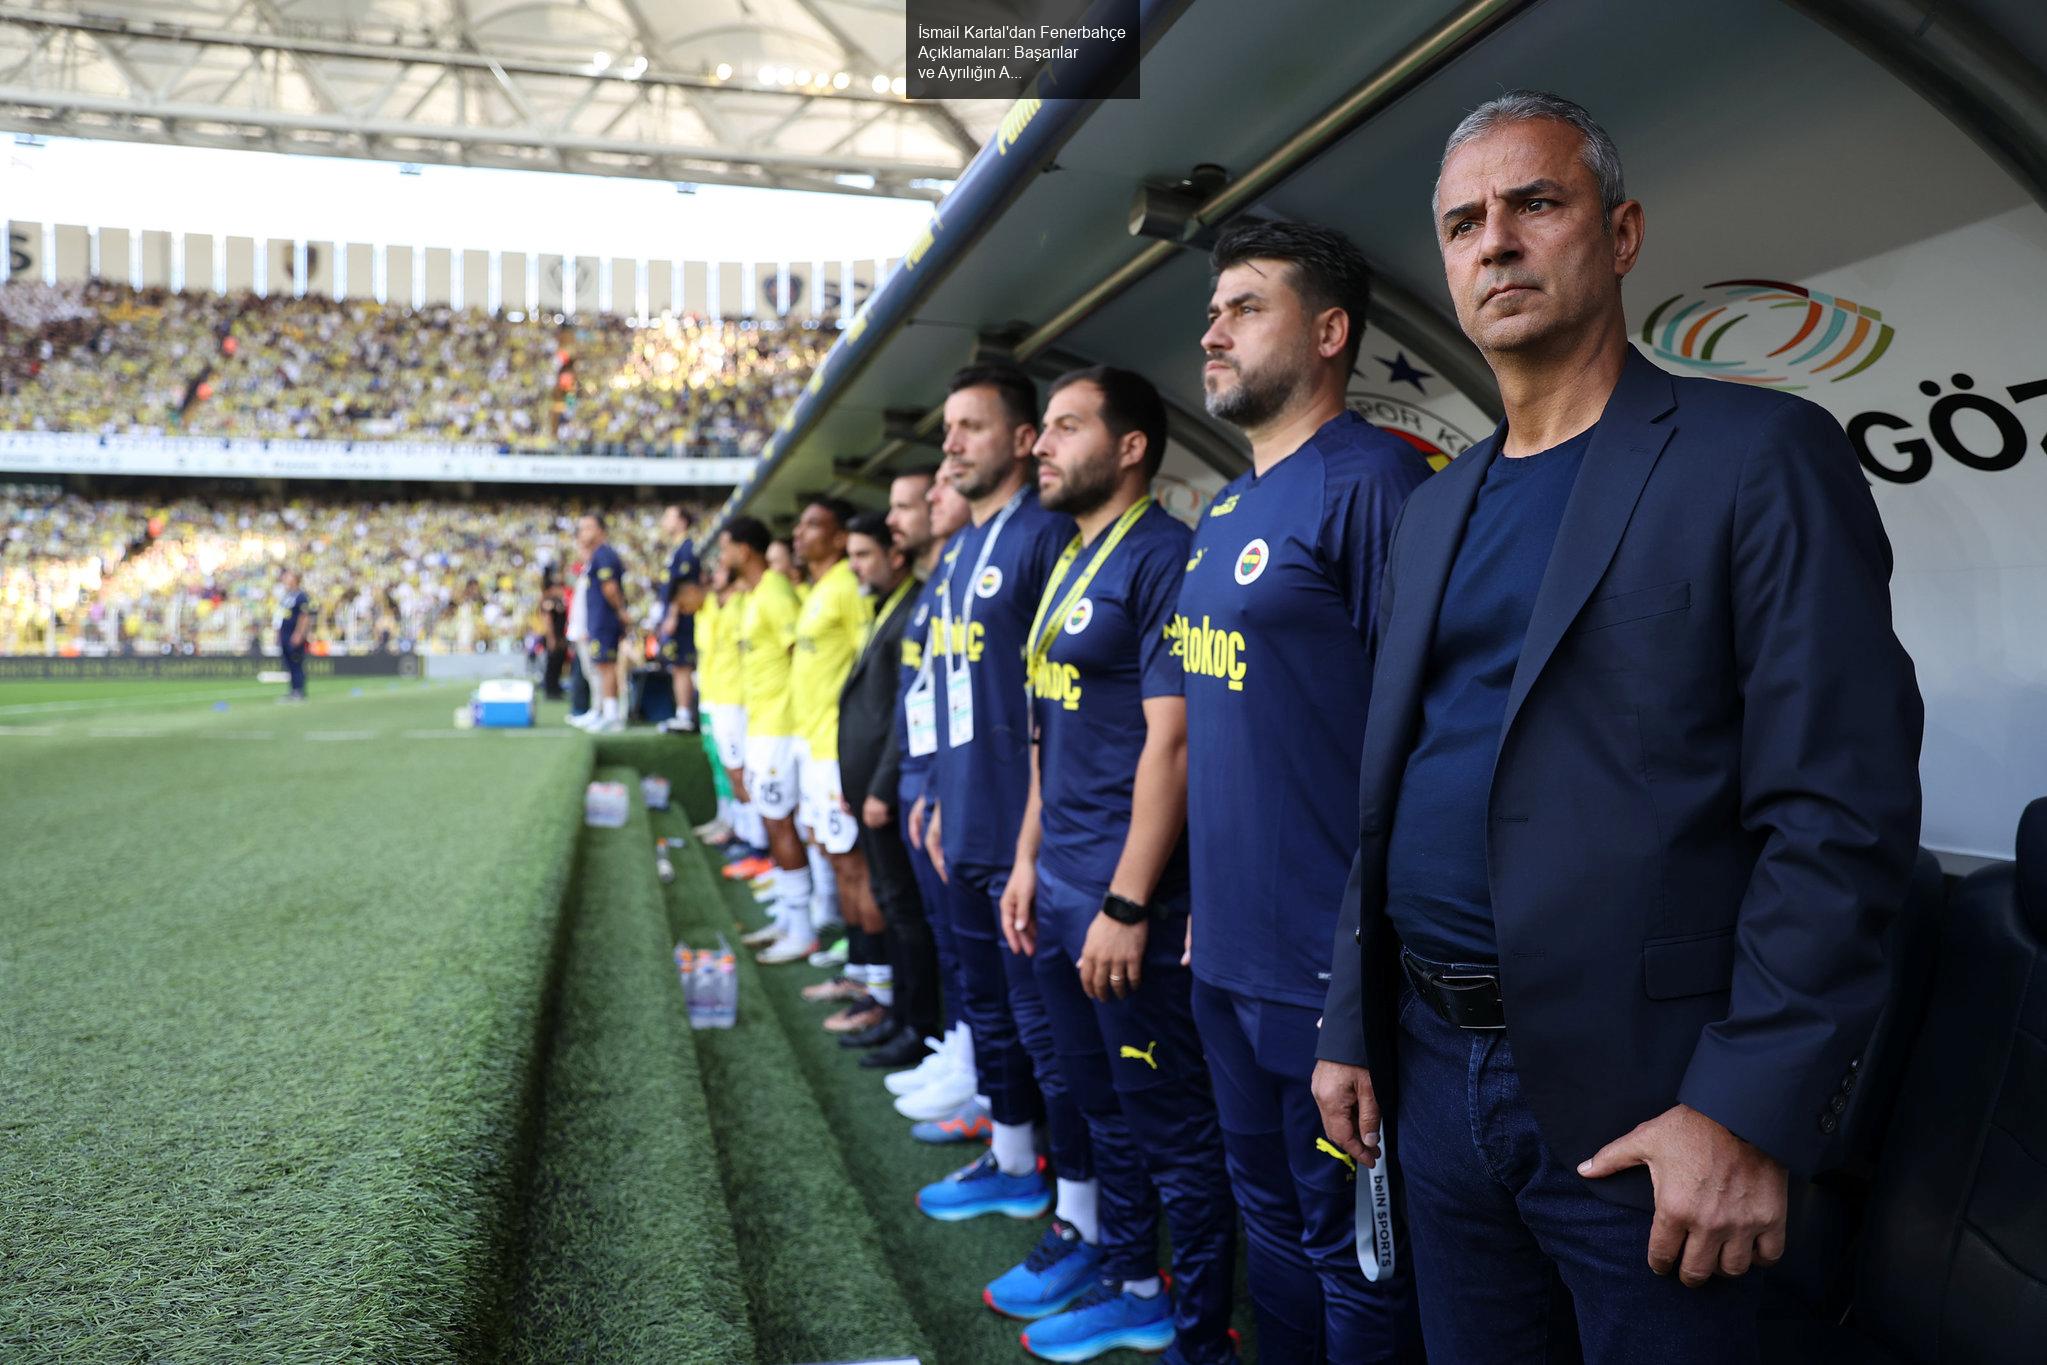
(107, 359)
(121, 575)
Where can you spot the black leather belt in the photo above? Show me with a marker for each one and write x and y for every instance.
(1468, 998)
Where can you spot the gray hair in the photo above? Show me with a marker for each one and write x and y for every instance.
(1601, 157)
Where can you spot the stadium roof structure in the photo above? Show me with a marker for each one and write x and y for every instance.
(790, 94)
(1078, 235)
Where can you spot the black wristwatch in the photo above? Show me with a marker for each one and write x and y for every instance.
(1124, 910)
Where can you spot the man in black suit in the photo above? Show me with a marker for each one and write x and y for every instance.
(868, 766)
(1639, 795)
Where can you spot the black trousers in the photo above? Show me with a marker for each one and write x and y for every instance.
(551, 674)
(912, 952)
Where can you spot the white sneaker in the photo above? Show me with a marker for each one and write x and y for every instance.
(787, 950)
(944, 1093)
(714, 831)
(679, 724)
(613, 726)
(583, 720)
(922, 1074)
(761, 938)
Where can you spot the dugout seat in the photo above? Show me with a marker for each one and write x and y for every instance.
(1952, 1262)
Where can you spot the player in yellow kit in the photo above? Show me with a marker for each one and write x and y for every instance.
(829, 633)
(767, 635)
(716, 626)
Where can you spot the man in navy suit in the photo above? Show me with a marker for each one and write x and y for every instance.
(1639, 795)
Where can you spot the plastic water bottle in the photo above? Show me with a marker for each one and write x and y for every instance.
(703, 993)
(604, 805)
(727, 1012)
(654, 791)
(662, 865)
(685, 964)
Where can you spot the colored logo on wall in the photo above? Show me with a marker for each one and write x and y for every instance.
(1795, 335)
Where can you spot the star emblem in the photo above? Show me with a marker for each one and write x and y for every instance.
(1398, 371)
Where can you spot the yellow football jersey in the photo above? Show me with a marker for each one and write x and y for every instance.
(829, 632)
(767, 633)
(717, 650)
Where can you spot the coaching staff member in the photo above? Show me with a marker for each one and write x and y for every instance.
(1639, 796)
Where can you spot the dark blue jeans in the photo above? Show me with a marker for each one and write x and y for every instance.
(1516, 1258)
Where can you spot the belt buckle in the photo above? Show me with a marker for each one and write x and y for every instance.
(1492, 978)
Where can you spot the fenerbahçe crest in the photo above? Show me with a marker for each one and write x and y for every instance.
(1252, 562)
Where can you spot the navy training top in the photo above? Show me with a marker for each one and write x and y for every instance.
(983, 785)
(1274, 631)
(1111, 655)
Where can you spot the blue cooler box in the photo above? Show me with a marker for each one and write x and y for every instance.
(503, 702)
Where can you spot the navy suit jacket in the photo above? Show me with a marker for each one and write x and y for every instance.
(1705, 805)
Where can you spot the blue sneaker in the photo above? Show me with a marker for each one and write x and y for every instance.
(968, 1123)
(1059, 1270)
(1102, 1320)
(980, 1187)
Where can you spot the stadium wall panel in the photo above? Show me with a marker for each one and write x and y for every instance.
(24, 249)
(552, 278)
(241, 667)
(74, 248)
(111, 259)
(585, 294)
(398, 275)
(696, 287)
(661, 283)
(361, 268)
(241, 264)
(320, 269)
(512, 293)
(731, 296)
(156, 259)
(440, 272)
(475, 280)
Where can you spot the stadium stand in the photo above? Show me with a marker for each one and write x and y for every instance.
(108, 359)
(196, 575)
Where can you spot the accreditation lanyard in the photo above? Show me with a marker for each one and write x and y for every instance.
(959, 684)
(1043, 632)
(888, 609)
(1374, 1196)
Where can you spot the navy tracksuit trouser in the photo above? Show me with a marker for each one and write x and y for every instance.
(1136, 1071)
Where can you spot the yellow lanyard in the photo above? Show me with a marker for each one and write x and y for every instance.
(888, 609)
(1043, 631)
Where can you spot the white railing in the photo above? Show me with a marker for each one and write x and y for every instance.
(66, 452)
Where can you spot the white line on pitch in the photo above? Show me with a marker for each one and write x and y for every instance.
(341, 734)
(28, 729)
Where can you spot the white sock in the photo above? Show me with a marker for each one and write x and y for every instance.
(792, 900)
(1144, 1289)
(824, 889)
(1016, 1152)
(1076, 1205)
(608, 708)
(748, 825)
(881, 983)
(856, 972)
(726, 811)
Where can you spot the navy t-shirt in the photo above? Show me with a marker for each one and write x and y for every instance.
(1273, 630)
(914, 770)
(1111, 655)
(1437, 893)
(683, 570)
(983, 785)
(604, 567)
(290, 614)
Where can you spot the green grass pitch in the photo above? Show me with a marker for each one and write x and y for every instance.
(332, 1035)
